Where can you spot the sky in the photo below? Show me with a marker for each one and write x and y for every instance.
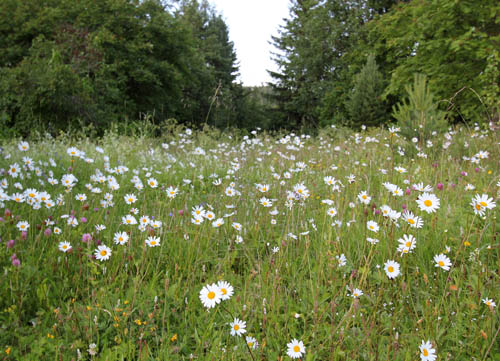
(251, 24)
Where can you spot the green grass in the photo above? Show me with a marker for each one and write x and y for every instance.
(143, 303)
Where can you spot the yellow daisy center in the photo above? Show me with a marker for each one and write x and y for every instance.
(250, 344)
(299, 191)
(441, 263)
(411, 221)
(104, 252)
(363, 196)
(296, 348)
(390, 269)
(483, 204)
(425, 352)
(223, 290)
(211, 295)
(371, 227)
(478, 207)
(153, 243)
(408, 244)
(236, 327)
(428, 203)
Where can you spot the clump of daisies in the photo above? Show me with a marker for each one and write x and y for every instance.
(212, 294)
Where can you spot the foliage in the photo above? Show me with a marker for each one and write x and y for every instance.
(93, 64)
(420, 117)
(452, 42)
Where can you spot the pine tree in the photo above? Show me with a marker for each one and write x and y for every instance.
(365, 104)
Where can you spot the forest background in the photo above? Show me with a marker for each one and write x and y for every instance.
(124, 64)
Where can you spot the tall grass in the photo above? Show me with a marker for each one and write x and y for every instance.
(143, 303)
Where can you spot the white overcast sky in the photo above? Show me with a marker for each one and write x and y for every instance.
(251, 24)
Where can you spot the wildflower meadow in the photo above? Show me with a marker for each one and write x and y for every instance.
(225, 246)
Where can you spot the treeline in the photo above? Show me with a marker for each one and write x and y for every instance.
(93, 64)
(349, 61)
(86, 63)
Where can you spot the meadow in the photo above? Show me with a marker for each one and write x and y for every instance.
(224, 246)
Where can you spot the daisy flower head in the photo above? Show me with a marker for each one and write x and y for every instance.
(427, 352)
(153, 183)
(172, 192)
(407, 244)
(73, 152)
(265, 202)
(356, 293)
(230, 192)
(372, 226)
(153, 241)
(332, 212)
(198, 211)
(391, 269)
(218, 222)
(296, 348)
(23, 146)
(342, 260)
(428, 202)
(238, 327)
(263, 188)
(301, 190)
(412, 220)
(489, 302)
(400, 169)
(120, 238)
(397, 192)
(252, 342)
(329, 180)
(210, 295)
(237, 226)
(386, 210)
(13, 170)
(481, 203)
(226, 290)
(364, 197)
(442, 261)
(130, 198)
(23, 225)
(129, 220)
(102, 253)
(64, 246)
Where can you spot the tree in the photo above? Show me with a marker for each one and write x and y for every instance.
(454, 43)
(365, 104)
